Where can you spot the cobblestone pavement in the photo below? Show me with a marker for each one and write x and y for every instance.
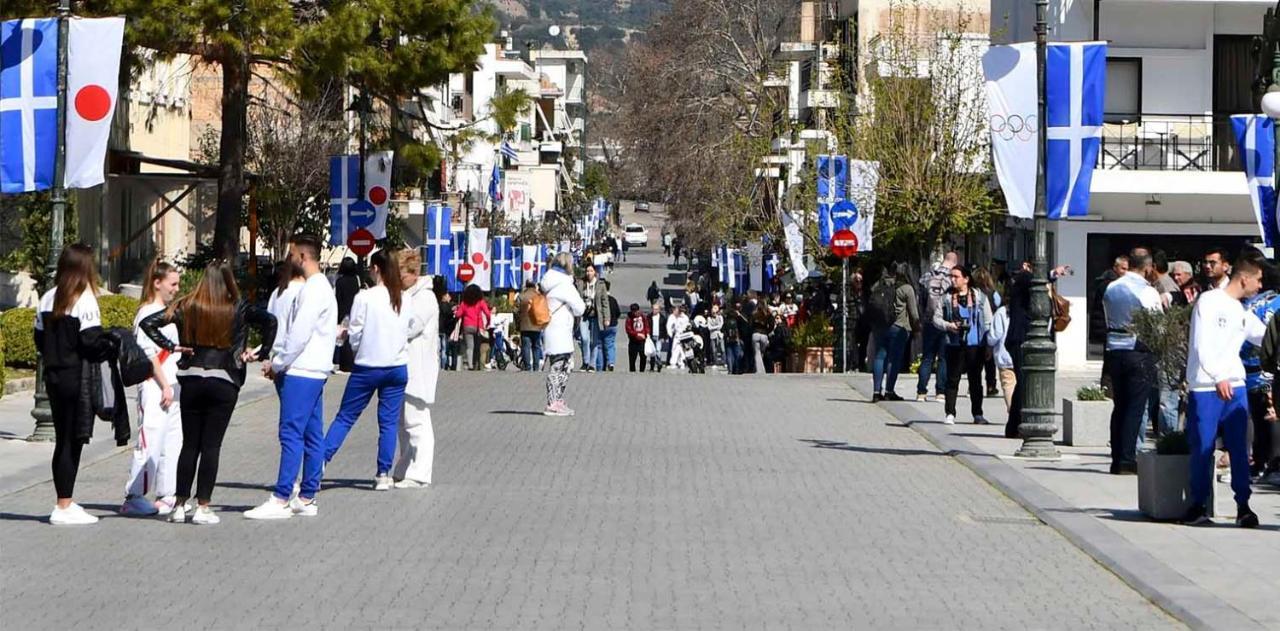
(670, 501)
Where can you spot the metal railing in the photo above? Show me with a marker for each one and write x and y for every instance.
(1168, 142)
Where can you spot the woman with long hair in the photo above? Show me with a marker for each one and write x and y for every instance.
(213, 331)
(155, 454)
(983, 282)
(381, 325)
(68, 332)
(474, 315)
(964, 315)
(565, 304)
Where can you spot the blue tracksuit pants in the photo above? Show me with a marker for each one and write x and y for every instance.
(301, 435)
(389, 383)
(1206, 414)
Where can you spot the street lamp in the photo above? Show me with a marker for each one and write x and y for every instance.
(1039, 351)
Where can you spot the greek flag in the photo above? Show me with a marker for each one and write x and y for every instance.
(439, 244)
(28, 104)
(834, 211)
(1075, 83)
(1255, 136)
(457, 256)
(728, 271)
(508, 151)
(772, 267)
(504, 264)
(741, 273)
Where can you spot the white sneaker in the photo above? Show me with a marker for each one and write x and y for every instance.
(205, 516)
(178, 515)
(922, 398)
(382, 482)
(950, 420)
(164, 505)
(270, 509)
(72, 515)
(412, 484)
(304, 509)
(138, 506)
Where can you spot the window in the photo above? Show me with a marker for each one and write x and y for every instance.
(1124, 90)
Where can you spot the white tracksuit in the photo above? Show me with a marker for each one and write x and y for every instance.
(154, 467)
(417, 439)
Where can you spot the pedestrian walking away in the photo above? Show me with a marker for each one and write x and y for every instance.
(473, 316)
(213, 324)
(965, 315)
(70, 339)
(382, 326)
(530, 331)
(417, 438)
(638, 333)
(154, 466)
(934, 285)
(565, 303)
(300, 367)
(892, 310)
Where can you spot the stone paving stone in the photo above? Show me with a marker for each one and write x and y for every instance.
(670, 501)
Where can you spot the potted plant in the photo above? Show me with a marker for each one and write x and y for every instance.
(1086, 420)
(1166, 334)
(1164, 478)
(811, 348)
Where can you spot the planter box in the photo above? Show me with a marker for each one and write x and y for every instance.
(1164, 485)
(1086, 423)
(811, 360)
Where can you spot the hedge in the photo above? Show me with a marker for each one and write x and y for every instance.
(2, 371)
(19, 348)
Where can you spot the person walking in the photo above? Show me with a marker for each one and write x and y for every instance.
(530, 333)
(565, 303)
(68, 333)
(300, 366)
(638, 333)
(965, 316)
(677, 324)
(653, 294)
(345, 287)
(417, 438)
(893, 312)
(661, 341)
(213, 324)
(762, 325)
(733, 326)
(934, 285)
(473, 316)
(589, 325)
(1217, 400)
(1130, 363)
(154, 466)
(382, 326)
(607, 340)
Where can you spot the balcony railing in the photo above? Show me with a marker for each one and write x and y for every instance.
(1168, 142)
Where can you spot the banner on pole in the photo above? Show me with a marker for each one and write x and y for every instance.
(1010, 73)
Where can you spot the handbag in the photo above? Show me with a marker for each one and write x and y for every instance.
(649, 347)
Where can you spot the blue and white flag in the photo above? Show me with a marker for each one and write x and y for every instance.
(439, 245)
(533, 259)
(1255, 136)
(504, 264)
(457, 256)
(772, 269)
(508, 151)
(28, 104)
(1075, 84)
(834, 210)
(495, 185)
(741, 274)
(725, 263)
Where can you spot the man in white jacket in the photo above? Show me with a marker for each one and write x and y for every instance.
(301, 366)
(1220, 326)
(417, 439)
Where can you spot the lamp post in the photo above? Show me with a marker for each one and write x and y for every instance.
(1039, 351)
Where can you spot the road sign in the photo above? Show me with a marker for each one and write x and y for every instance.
(361, 214)
(466, 272)
(844, 243)
(360, 242)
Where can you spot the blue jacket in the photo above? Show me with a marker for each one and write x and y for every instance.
(946, 311)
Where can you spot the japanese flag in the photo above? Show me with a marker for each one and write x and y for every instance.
(93, 78)
(479, 258)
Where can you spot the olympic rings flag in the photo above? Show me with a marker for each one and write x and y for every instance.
(1010, 73)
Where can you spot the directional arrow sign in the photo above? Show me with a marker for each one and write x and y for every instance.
(361, 213)
(844, 214)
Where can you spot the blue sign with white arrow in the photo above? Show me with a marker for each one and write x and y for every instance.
(843, 215)
(361, 214)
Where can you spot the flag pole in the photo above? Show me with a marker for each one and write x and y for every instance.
(41, 411)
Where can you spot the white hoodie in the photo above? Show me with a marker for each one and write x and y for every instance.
(312, 331)
(565, 304)
(380, 336)
(1220, 325)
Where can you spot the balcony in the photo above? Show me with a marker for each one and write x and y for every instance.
(1168, 142)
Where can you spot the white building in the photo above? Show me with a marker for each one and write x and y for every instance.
(1168, 175)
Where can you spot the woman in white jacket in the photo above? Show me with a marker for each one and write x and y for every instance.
(565, 304)
(417, 440)
(381, 326)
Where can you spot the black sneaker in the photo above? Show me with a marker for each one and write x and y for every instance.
(1196, 516)
(992, 392)
(892, 396)
(877, 397)
(1246, 518)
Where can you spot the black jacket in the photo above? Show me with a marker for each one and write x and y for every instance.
(212, 357)
(100, 399)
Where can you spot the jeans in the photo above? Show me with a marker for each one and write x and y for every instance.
(932, 355)
(1206, 414)
(1132, 379)
(733, 357)
(444, 351)
(498, 353)
(389, 383)
(531, 349)
(585, 341)
(889, 343)
(606, 342)
(301, 435)
(1168, 399)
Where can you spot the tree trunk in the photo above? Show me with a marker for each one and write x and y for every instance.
(231, 155)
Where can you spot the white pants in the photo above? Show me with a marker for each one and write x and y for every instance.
(417, 442)
(154, 468)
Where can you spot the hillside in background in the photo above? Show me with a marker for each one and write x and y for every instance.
(592, 23)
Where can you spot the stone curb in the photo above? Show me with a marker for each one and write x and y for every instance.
(1162, 585)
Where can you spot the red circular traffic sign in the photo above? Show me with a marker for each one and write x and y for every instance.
(360, 242)
(844, 243)
(466, 272)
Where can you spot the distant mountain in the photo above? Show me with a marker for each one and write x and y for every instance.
(592, 23)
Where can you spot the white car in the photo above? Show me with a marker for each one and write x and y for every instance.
(636, 234)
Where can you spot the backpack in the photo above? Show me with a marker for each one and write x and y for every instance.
(1061, 310)
(539, 309)
(884, 299)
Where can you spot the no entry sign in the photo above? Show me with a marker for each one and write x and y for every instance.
(466, 272)
(360, 242)
(844, 243)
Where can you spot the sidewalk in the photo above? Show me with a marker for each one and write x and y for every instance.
(1216, 576)
(23, 464)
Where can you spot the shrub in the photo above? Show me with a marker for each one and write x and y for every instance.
(1091, 393)
(1173, 444)
(117, 311)
(813, 333)
(2, 371)
(16, 327)
(1166, 333)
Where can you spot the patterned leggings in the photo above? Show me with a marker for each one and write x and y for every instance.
(558, 377)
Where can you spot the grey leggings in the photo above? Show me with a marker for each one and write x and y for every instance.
(558, 376)
(761, 343)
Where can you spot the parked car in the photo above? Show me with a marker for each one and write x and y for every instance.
(636, 234)
(642, 207)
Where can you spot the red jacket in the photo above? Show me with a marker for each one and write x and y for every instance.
(637, 326)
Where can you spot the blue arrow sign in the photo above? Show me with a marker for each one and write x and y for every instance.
(361, 214)
(844, 214)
